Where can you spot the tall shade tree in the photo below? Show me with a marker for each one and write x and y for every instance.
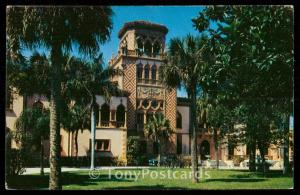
(81, 83)
(183, 67)
(57, 29)
(158, 129)
(32, 128)
(258, 54)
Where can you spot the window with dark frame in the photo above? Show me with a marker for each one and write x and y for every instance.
(139, 71)
(153, 72)
(102, 145)
(179, 144)
(178, 120)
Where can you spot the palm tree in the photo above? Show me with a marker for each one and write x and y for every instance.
(58, 29)
(158, 129)
(32, 127)
(82, 82)
(76, 119)
(183, 66)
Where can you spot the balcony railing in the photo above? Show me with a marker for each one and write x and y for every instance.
(149, 81)
(104, 123)
(120, 124)
(137, 53)
(112, 124)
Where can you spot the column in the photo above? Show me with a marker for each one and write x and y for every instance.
(93, 128)
(145, 120)
(99, 122)
(143, 73)
(125, 122)
(110, 117)
(150, 73)
(152, 50)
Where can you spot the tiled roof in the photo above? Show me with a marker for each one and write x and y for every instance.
(142, 24)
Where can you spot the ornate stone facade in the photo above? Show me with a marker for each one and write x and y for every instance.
(130, 86)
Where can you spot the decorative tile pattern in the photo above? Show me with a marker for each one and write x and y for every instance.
(130, 85)
(171, 102)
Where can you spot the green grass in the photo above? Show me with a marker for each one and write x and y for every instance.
(218, 179)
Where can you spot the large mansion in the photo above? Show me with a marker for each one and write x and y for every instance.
(139, 57)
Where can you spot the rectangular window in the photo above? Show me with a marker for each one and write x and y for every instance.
(102, 145)
(179, 144)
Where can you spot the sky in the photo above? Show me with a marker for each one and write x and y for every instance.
(176, 18)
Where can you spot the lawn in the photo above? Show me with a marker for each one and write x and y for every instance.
(158, 178)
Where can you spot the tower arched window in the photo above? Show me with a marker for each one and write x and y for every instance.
(105, 114)
(156, 49)
(139, 44)
(139, 71)
(153, 72)
(120, 115)
(148, 48)
(178, 120)
(146, 69)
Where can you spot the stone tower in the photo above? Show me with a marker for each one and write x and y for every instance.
(140, 54)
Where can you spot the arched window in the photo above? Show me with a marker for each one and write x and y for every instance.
(139, 71)
(145, 103)
(178, 120)
(154, 104)
(156, 49)
(120, 115)
(146, 69)
(139, 43)
(148, 48)
(153, 72)
(39, 105)
(105, 115)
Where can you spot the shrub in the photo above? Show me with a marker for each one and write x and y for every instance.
(237, 160)
(136, 151)
(260, 167)
(15, 162)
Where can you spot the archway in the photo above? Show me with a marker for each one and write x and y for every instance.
(178, 120)
(120, 115)
(204, 150)
(105, 115)
(38, 104)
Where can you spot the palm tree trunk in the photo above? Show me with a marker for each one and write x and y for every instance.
(217, 156)
(42, 156)
(54, 160)
(93, 131)
(76, 145)
(194, 139)
(216, 147)
(252, 167)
